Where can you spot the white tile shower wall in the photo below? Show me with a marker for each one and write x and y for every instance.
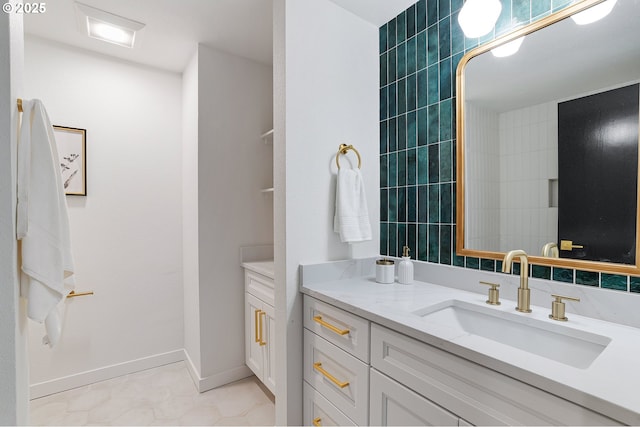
(483, 177)
(528, 162)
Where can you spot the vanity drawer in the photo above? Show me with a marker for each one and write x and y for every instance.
(338, 376)
(318, 411)
(260, 286)
(475, 393)
(346, 330)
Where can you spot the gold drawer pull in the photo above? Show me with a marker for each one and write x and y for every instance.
(255, 322)
(318, 367)
(74, 294)
(318, 319)
(316, 422)
(260, 324)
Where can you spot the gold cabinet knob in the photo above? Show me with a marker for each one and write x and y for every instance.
(494, 293)
(557, 307)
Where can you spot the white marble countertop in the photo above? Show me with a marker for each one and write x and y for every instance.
(261, 267)
(609, 385)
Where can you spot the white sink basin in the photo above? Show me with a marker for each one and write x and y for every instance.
(549, 339)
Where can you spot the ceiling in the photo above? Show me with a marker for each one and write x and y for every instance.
(174, 28)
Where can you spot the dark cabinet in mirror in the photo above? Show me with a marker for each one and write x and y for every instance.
(548, 143)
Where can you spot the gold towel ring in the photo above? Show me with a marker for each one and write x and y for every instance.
(343, 150)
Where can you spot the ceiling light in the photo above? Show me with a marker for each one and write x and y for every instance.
(594, 13)
(507, 49)
(478, 17)
(106, 26)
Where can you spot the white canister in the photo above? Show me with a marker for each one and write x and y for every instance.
(385, 271)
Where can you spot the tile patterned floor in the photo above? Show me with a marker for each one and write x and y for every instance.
(159, 396)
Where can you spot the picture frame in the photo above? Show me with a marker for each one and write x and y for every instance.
(72, 144)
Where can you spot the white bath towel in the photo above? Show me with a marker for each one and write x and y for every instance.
(351, 218)
(42, 221)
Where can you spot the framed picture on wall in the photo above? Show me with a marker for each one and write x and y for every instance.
(72, 144)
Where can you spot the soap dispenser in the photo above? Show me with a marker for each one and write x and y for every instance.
(405, 267)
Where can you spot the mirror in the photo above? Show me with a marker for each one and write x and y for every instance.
(518, 177)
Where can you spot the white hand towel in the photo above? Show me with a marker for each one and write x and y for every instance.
(42, 220)
(351, 218)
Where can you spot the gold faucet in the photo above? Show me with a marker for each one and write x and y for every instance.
(524, 293)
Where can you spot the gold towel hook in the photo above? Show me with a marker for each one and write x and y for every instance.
(20, 105)
(343, 150)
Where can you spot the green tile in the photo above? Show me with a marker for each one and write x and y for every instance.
(421, 50)
(455, 60)
(433, 124)
(614, 281)
(433, 84)
(498, 265)
(392, 180)
(383, 69)
(392, 142)
(412, 166)
(402, 96)
(433, 49)
(422, 88)
(384, 171)
(434, 164)
(432, 12)
(412, 94)
(446, 120)
(384, 230)
(402, 133)
(445, 79)
(402, 204)
(384, 205)
(401, 27)
(392, 238)
(444, 8)
(384, 136)
(434, 203)
(384, 103)
(457, 35)
(391, 33)
(589, 278)
(423, 165)
(422, 242)
(402, 168)
(412, 203)
(412, 236)
(421, 15)
(445, 244)
(473, 263)
(540, 272)
(634, 284)
(392, 70)
(444, 37)
(560, 4)
(412, 55)
(393, 204)
(487, 265)
(434, 243)
(411, 21)
(445, 204)
(402, 238)
(540, 8)
(504, 24)
(563, 274)
(456, 5)
(382, 38)
(411, 130)
(422, 126)
(521, 13)
(401, 60)
(391, 99)
(446, 159)
(423, 204)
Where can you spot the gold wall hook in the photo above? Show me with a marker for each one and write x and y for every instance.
(20, 105)
(343, 149)
(74, 294)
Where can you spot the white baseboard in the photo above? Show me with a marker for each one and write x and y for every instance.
(101, 374)
(217, 380)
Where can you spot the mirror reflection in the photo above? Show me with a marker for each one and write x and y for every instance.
(550, 141)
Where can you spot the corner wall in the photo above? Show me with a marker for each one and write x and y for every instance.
(127, 232)
(325, 89)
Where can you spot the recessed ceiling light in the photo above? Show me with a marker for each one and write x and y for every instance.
(106, 26)
(478, 17)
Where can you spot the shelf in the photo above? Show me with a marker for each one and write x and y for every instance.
(267, 136)
(267, 190)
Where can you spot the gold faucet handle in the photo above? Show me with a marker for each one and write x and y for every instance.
(557, 307)
(494, 293)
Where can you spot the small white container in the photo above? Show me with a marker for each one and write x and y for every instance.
(385, 271)
(405, 268)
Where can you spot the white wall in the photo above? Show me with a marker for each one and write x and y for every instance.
(235, 104)
(127, 232)
(14, 394)
(190, 212)
(326, 93)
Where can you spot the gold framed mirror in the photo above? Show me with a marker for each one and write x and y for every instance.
(512, 181)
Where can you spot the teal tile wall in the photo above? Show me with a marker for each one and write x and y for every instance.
(419, 52)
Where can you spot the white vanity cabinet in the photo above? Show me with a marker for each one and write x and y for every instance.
(408, 382)
(259, 323)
